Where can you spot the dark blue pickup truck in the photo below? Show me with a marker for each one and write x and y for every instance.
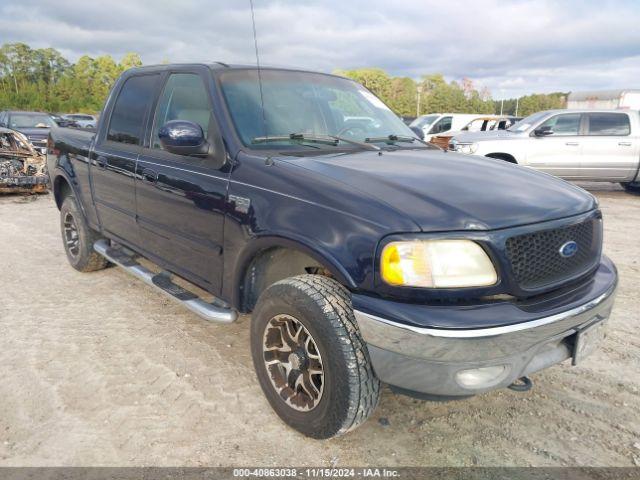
(364, 255)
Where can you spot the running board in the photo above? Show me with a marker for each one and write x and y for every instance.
(162, 281)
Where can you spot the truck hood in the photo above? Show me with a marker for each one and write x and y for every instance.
(443, 191)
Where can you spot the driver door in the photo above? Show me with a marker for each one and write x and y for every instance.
(558, 153)
(180, 199)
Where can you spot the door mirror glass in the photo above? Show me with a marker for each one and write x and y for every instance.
(183, 137)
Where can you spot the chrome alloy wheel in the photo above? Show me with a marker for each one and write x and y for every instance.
(71, 235)
(293, 362)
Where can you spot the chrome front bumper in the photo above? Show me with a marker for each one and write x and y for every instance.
(426, 360)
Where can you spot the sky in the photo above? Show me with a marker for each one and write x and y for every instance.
(513, 47)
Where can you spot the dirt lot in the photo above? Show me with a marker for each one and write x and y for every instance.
(99, 369)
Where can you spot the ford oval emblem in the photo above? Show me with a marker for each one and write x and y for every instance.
(569, 249)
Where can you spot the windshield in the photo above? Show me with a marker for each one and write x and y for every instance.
(30, 120)
(527, 122)
(305, 104)
(424, 121)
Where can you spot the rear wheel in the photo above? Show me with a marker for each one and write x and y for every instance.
(310, 359)
(631, 187)
(78, 238)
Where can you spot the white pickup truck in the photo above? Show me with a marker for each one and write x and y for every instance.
(595, 145)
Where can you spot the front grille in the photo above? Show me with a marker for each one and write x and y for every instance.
(536, 261)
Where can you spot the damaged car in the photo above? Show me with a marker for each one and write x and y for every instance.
(22, 168)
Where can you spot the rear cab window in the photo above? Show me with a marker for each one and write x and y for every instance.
(127, 121)
(609, 124)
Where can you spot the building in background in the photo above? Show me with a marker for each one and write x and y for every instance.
(605, 99)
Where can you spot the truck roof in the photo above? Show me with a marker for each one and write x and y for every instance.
(221, 66)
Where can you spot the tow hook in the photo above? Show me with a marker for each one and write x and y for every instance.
(523, 384)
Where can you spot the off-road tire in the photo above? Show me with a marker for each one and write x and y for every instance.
(633, 187)
(85, 259)
(351, 388)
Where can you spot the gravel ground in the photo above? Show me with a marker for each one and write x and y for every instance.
(99, 369)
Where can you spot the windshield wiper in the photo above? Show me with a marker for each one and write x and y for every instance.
(391, 139)
(298, 137)
(311, 138)
(368, 146)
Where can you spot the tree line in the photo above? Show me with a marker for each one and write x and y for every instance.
(432, 93)
(42, 79)
(529, 104)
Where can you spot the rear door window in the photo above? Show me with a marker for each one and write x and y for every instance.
(613, 124)
(130, 110)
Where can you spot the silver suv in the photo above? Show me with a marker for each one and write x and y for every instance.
(597, 145)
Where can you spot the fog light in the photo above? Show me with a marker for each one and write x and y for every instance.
(483, 377)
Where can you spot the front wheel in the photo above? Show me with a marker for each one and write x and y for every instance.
(310, 359)
(631, 187)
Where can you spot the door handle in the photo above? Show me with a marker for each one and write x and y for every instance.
(572, 144)
(624, 144)
(149, 176)
(101, 161)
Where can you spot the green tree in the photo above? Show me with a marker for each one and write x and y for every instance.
(532, 103)
(130, 60)
(42, 79)
(375, 79)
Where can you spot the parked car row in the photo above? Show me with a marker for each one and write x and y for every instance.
(364, 254)
(36, 125)
(444, 125)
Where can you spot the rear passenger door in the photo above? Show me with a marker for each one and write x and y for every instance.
(114, 157)
(560, 152)
(609, 151)
(181, 198)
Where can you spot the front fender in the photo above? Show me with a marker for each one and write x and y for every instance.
(299, 243)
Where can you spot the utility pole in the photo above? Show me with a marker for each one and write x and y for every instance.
(517, 100)
(419, 90)
(501, 106)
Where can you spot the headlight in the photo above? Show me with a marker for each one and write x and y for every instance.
(466, 148)
(437, 264)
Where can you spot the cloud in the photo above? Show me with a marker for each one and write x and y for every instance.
(514, 47)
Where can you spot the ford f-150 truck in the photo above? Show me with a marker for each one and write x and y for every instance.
(595, 145)
(365, 255)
